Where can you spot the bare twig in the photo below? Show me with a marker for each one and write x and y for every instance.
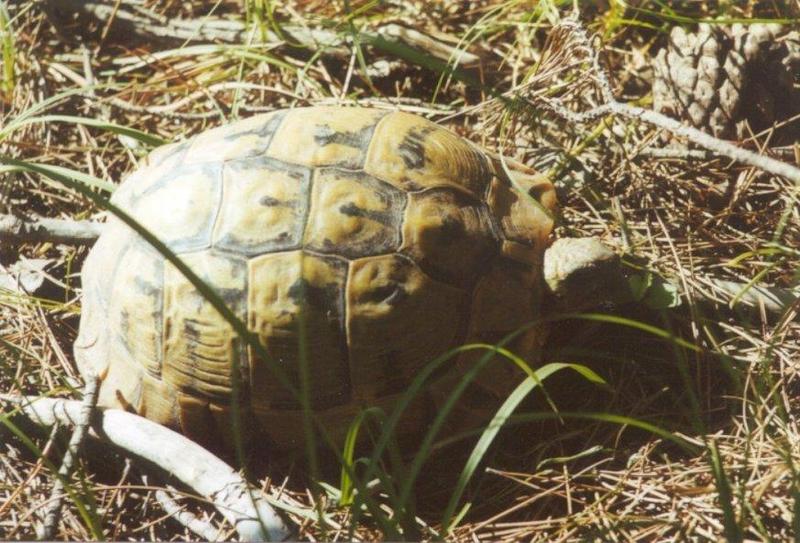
(707, 141)
(571, 37)
(87, 406)
(684, 153)
(17, 230)
(146, 24)
(774, 299)
(200, 527)
(242, 505)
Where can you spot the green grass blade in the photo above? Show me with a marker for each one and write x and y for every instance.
(49, 171)
(732, 530)
(250, 339)
(9, 81)
(391, 423)
(52, 101)
(674, 17)
(654, 330)
(305, 399)
(444, 411)
(348, 453)
(498, 421)
(610, 418)
(138, 135)
(89, 515)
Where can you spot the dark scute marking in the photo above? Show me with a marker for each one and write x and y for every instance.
(537, 192)
(392, 294)
(231, 296)
(191, 332)
(296, 172)
(325, 135)
(412, 148)
(383, 217)
(452, 230)
(191, 364)
(318, 297)
(269, 201)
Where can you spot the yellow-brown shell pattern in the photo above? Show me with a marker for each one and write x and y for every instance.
(388, 238)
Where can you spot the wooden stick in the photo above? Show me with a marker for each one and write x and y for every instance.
(720, 147)
(17, 230)
(245, 507)
(200, 527)
(775, 300)
(144, 23)
(87, 407)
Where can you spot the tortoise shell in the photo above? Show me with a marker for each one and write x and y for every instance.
(397, 239)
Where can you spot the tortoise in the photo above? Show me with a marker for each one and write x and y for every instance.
(395, 238)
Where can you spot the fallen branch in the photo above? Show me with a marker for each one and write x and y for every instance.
(569, 38)
(685, 153)
(775, 300)
(87, 407)
(17, 230)
(132, 18)
(200, 527)
(245, 507)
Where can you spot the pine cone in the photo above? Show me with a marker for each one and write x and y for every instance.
(722, 78)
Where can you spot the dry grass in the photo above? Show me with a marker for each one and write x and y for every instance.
(688, 219)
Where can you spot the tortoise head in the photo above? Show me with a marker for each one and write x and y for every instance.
(581, 273)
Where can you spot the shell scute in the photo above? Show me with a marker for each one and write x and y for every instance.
(180, 208)
(264, 206)
(413, 154)
(398, 320)
(524, 204)
(448, 234)
(353, 214)
(324, 136)
(288, 290)
(243, 139)
(136, 303)
(199, 344)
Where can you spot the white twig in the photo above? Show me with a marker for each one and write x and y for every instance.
(578, 42)
(707, 141)
(147, 24)
(16, 230)
(245, 507)
(87, 406)
(775, 300)
(200, 527)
